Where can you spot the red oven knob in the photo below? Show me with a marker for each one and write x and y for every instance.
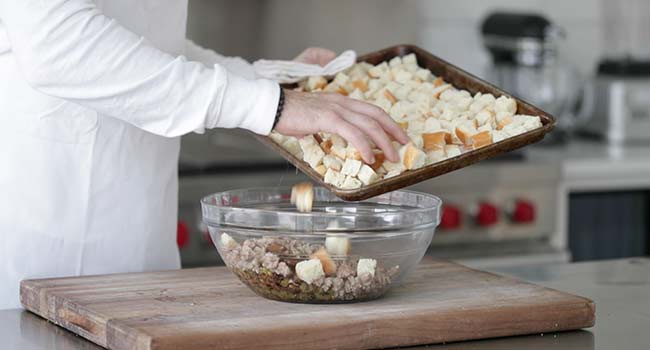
(182, 235)
(487, 214)
(450, 218)
(523, 212)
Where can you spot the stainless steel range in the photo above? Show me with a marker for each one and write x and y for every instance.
(497, 212)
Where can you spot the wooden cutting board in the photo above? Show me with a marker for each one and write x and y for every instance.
(208, 308)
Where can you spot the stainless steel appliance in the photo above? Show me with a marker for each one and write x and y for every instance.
(526, 62)
(499, 211)
(496, 212)
(622, 103)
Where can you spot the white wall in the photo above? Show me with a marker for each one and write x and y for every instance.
(450, 29)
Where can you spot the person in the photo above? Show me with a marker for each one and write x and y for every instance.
(94, 97)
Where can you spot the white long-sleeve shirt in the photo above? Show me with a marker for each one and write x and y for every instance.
(68, 49)
(93, 97)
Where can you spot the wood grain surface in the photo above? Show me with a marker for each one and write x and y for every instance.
(208, 308)
(460, 79)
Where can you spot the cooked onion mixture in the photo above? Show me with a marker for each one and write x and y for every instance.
(291, 270)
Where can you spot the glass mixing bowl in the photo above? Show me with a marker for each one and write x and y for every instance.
(339, 252)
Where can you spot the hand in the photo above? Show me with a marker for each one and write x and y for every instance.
(356, 121)
(316, 55)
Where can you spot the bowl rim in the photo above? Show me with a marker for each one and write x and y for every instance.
(435, 207)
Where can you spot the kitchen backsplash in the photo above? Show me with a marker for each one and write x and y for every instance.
(450, 29)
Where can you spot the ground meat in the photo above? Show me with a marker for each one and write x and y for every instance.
(266, 266)
(345, 270)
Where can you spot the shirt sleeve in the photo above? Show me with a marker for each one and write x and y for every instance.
(68, 49)
(236, 65)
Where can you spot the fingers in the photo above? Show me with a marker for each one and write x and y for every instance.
(377, 114)
(373, 130)
(352, 134)
(381, 117)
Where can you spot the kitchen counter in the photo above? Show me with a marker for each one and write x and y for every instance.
(620, 289)
(590, 165)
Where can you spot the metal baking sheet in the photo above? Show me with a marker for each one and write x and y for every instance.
(460, 79)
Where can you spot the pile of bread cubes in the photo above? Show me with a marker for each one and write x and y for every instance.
(442, 121)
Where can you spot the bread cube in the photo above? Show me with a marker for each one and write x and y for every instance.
(316, 82)
(486, 127)
(503, 122)
(351, 183)
(434, 140)
(505, 104)
(292, 145)
(307, 141)
(423, 74)
(366, 266)
(481, 102)
(412, 157)
(415, 126)
(402, 92)
(310, 270)
(351, 167)
(484, 117)
(383, 103)
(357, 95)
(389, 95)
(329, 267)
(436, 156)
(432, 125)
(392, 173)
(277, 137)
(528, 122)
(395, 62)
(498, 135)
(513, 129)
(334, 178)
(352, 153)
(227, 241)
(332, 162)
(409, 59)
(416, 139)
(397, 111)
(481, 139)
(378, 70)
(341, 79)
(337, 246)
(367, 175)
(339, 151)
(313, 155)
(379, 159)
(360, 84)
(439, 90)
(321, 169)
(464, 132)
(452, 151)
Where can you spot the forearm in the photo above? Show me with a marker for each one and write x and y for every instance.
(68, 49)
